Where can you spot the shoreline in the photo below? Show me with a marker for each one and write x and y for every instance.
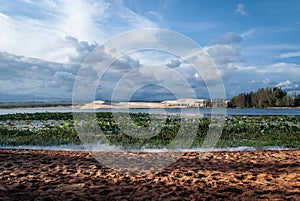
(105, 148)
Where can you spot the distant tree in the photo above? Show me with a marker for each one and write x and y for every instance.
(268, 97)
(239, 101)
(296, 101)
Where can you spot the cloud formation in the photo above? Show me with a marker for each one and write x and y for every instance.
(229, 38)
(241, 10)
(290, 55)
(43, 44)
(226, 53)
(42, 47)
(286, 83)
(291, 87)
(27, 77)
(40, 31)
(174, 64)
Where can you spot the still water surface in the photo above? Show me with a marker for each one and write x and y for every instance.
(201, 111)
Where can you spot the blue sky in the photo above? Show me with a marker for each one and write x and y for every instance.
(43, 43)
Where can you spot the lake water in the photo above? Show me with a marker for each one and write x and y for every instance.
(191, 111)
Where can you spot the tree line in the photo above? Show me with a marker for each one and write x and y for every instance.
(265, 97)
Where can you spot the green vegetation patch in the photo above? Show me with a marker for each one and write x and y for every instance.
(46, 129)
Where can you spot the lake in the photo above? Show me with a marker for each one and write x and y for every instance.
(192, 111)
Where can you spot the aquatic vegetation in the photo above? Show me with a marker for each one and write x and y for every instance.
(59, 128)
(258, 131)
(44, 137)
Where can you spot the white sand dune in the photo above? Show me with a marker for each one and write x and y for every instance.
(180, 103)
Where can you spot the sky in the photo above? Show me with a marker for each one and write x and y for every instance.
(44, 43)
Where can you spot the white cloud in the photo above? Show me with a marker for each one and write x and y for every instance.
(31, 38)
(226, 53)
(64, 75)
(42, 46)
(281, 67)
(21, 77)
(241, 9)
(41, 32)
(264, 81)
(45, 78)
(3, 16)
(229, 38)
(167, 78)
(290, 55)
(78, 18)
(222, 53)
(291, 86)
(269, 47)
(251, 32)
(286, 83)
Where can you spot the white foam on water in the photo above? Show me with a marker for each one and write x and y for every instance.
(52, 148)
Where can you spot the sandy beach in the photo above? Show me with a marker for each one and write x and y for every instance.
(62, 175)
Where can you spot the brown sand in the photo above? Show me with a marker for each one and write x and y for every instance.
(58, 175)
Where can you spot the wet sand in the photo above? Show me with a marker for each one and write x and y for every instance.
(60, 175)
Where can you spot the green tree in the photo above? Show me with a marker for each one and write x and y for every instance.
(268, 97)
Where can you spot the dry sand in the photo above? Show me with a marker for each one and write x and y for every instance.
(180, 103)
(59, 175)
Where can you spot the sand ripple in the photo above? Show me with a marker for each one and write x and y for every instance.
(59, 175)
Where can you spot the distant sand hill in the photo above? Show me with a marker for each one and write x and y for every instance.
(180, 103)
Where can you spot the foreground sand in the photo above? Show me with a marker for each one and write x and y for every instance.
(58, 175)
